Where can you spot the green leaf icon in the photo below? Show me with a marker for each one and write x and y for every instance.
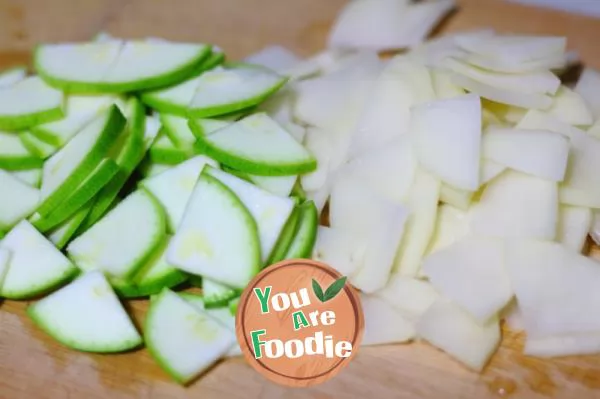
(331, 292)
(334, 288)
(317, 290)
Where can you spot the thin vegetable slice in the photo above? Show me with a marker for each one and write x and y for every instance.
(471, 273)
(216, 58)
(278, 185)
(173, 99)
(341, 249)
(351, 28)
(62, 234)
(117, 66)
(491, 63)
(502, 95)
(222, 315)
(29, 103)
(454, 331)
(516, 205)
(285, 238)
(256, 145)
(305, 234)
(183, 339)
(178, 131)
(334, 101)
(276, 58)
(570, 107)
(269, 211)
(222, 91)
(69, 167)
(400, 23)
(154, 276)
(569, 281)
(76, 66)
(229, 254)
(174, 187)
(79, 111)
(411, 296)
(574, 223)
(422, 203)
(32, 177)
(139, 132)
(380, 224)
(537, 82)
(12, 76)
(216, 295)
(390, 170)
(145, 65)
(384, 324)
(37, 147)
(36, 266)
(18, 200)
(80, 196)
(514, 48)
(540, 153)
(423, 17)
(226, 316)
(581, 186)
(14, 155)
(447, 137)
(176, 99)
(452, 224)
(205, 127)
(588, 86)
(401, 85)
(163, 151)
(320, 144)
(122, 241)
(86, 315)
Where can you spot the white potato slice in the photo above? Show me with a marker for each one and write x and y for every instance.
(447, 137)
(556, 288)
(537, 152)
(517, 205)
(471, 273)
(574, 222)
(448, 327)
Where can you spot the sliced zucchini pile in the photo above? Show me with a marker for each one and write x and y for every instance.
(137, 169)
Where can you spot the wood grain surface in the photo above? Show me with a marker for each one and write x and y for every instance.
(33, 366)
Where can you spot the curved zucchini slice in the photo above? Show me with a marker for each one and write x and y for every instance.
(229, 254)
(86, 315)
(116, 66)
(36, 266)
(255, 145)
(123, 240)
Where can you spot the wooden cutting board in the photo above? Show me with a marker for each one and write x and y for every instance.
(33, 366)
